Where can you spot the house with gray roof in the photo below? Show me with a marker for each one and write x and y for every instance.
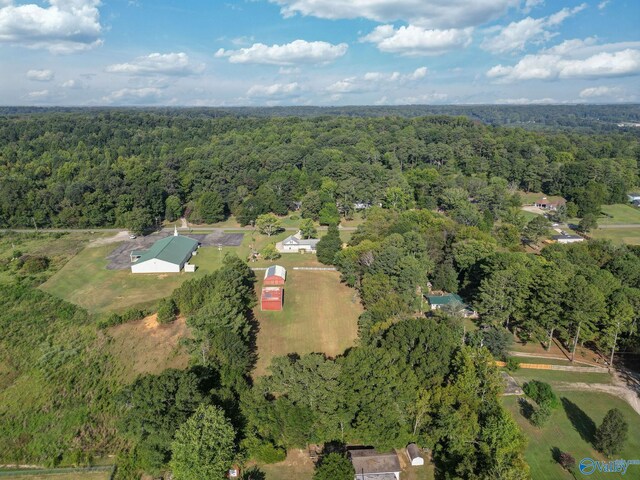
(167, 255)
(297, 244)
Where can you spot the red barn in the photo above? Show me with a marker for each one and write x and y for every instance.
(272, 298)
(275, 275)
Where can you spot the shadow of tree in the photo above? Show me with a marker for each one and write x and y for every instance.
(580, 420)
(526, 409)
(555, 454)
(254, 473)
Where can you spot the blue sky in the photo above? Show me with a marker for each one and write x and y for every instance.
(318, 52)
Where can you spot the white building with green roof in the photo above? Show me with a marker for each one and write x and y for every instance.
(168, 255)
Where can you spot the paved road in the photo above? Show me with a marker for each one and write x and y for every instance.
(623, 225)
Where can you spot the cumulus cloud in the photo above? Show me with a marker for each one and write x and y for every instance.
(177, 64)
(134, 96)
(426, 98)
(603, 5)
(64, 26)
(372, 81)
(40, 75)
(39, 94)
(516, 35)
(275, 90)
(413, 40)
(426, 13)
(296, 52)
(526, 101)
(531, 4)
(574, 59)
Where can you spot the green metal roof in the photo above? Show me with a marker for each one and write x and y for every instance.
(444, 299)
(174, 249)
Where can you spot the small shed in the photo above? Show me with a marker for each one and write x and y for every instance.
(272, 298)
(414, 454)
(275, 275)
(565, 238)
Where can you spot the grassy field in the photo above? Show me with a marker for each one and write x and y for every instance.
(145, 346)
(59, 476)
(85, 281)
(523, 375)
(619, 214)
(320, 315)
(630, 236)
(571, 429)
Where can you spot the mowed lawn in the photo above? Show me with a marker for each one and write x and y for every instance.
(630, 236)
(619, 214)
(320, 315)
(85, 280)
(571, 429)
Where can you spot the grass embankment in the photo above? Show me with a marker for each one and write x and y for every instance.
(572, 429)
(619, 214)
(320, 315)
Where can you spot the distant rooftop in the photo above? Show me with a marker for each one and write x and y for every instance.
(444, 299)
(371, 461)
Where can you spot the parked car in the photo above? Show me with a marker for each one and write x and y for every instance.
(132, 236)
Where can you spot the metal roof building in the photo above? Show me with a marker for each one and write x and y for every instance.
(271, 299)
(275, 275)
(370, 464)
(168, 255)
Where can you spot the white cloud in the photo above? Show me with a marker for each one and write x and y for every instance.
(276, 90)
(65, 26)
(296, 52)
(531, 4)
(516, 35)
(40, 75)
(427, 98)
(158, 64)
(417, 41)
(134, 96)
(526, 101)
(427, 13)
(372, 81)
(38, 94)
(603, 5)
(289, 70)
(595, 92)
(574, 59)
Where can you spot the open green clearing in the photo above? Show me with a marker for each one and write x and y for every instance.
(571, 429)
(320, 315)
(523, 375)
(85, 280)
(58, 476)
(619, 214)
(630, 236)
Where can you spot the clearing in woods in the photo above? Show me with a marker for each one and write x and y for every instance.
(320, 315)
(145, 346)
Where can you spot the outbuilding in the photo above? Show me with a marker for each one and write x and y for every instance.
(275, 275)
(568, 238)
(168, 255)
(550, 204)
(297, 244)
(272, 299)
(414, 454)
(370, 464)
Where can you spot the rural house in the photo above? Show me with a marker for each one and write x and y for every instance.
(168, 255)
(275, 275)
(633, 197)
(564, 238)
(271, 299)
(372, 465)
(450, 300)
(296, 244)
(552, 205)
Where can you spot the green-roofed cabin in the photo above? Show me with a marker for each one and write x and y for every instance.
(168, 255)
(450, 300)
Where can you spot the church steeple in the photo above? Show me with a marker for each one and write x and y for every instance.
(175, 230)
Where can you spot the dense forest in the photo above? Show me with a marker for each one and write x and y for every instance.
(443, 214)
(129, 167)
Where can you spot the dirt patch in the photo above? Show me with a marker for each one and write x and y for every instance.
(117, 238)
(145, 346)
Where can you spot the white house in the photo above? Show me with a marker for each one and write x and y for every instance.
(633, 197)
(168, 255)
(567, 238)
(296, 244)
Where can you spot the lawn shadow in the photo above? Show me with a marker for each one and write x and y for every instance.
(526, 409)
(580, 420)
(254, 473)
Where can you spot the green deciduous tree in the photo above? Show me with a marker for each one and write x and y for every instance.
(209, 208)
(329, 246)
(167, 310)
(308, 229)
(138, 220)
(204, 446)
(334, 467)
(268, 224)
(173, 208)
